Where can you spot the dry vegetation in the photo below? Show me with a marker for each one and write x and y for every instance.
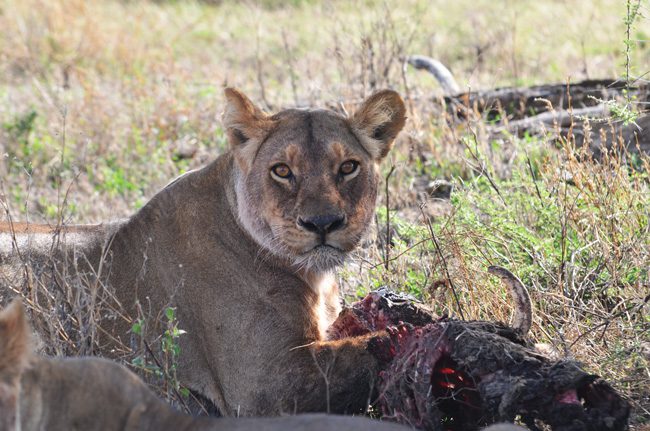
(103, 102)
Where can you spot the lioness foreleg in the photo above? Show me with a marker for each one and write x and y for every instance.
(326, 376)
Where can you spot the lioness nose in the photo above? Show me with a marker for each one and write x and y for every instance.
(322, 224)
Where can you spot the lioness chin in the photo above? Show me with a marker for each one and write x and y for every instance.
(244, 249)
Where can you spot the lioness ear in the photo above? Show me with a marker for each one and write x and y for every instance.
(246, 126)
(15, 353)
(15, 341)
(378, 121)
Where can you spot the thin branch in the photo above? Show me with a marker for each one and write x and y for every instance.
(387, 252)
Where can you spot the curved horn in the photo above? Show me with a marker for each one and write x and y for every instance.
(438, 70)
(523, 318)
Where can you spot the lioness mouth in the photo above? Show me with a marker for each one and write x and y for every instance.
(327, 247)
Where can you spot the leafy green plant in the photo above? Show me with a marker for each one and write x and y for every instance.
(171, 349)
(166, 367)
(116, 181)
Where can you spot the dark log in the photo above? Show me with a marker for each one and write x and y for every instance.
(549, 120)
(634, 137)
(515, 103)
(592, 126)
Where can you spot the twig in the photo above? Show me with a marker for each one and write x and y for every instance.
(387, 252)
(481, 167)
(444, 263)
(258, 65)
(290, 66)
(407, 90)
(397, 256)
(632, 12)
(608, 322)
(167, 377)
(532, 174)
(325, 374)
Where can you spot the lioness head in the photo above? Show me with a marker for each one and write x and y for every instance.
(306, 180)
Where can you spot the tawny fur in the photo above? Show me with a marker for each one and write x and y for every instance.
(15, 345)
(15, 355)
(373, 122)
(223, 245)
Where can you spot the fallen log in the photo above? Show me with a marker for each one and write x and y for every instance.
(515, 103)
(576, 111)
(448, 374)
(587, 126)
(549, 120)
(635, 136)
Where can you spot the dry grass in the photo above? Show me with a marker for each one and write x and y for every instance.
(101, 103)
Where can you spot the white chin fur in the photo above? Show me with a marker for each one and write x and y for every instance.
(321, 259)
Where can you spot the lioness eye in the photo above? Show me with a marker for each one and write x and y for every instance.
(348, 167)
(282, 171)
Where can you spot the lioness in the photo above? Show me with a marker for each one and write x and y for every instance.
(245, 249)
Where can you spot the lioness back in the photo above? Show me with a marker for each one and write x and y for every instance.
(244, 250)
